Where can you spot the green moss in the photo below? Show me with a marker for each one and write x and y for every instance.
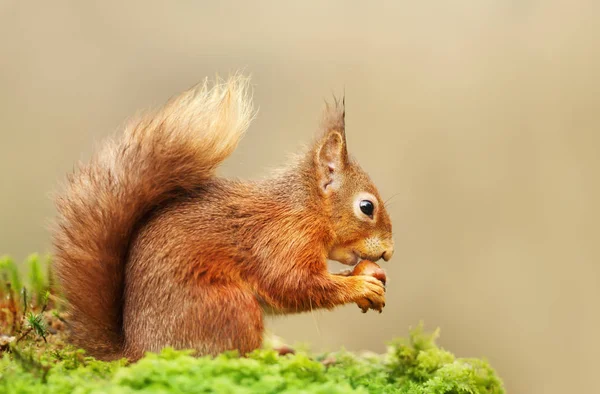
(405, 368)
(42, 363)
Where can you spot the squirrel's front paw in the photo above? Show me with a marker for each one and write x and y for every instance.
(371, 294)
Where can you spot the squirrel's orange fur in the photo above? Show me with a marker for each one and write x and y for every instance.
(153, 250)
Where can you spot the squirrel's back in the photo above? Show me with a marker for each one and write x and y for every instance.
(158, 157)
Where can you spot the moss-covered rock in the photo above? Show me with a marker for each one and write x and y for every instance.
(36, 359)
(416, 366)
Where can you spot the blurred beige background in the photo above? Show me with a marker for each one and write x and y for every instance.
(480, 118)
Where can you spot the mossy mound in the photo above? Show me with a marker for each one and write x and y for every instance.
(41, 362)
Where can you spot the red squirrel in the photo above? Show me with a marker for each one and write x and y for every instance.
(153, 250)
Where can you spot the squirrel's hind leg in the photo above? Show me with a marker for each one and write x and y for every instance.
(209, 319)
(225, 317)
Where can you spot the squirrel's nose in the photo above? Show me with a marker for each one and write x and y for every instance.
(388, 253)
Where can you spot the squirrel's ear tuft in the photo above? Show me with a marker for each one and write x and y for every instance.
(334, 116)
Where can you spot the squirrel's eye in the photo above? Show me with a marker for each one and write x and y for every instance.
(367, 207)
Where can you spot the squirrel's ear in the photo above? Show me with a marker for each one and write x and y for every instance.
(331, 154)
(330, 159)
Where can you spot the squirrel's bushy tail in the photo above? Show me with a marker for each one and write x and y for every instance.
(159, 155)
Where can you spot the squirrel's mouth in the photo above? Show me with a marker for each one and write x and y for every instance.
(356, 258)
(349, 257)
(352, 258)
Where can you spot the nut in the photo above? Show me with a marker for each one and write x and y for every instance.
(369, 268)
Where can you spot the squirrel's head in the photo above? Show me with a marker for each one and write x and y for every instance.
(361, 225)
